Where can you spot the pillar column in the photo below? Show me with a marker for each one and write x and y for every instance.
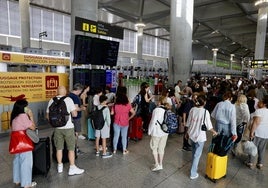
(139, 27)
(260, 34)
(87, 9)
(214, 59)
(24, 7)
(231, 61)
(181, 27)
(261, 31)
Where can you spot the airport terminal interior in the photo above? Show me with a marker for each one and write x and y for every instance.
(133, 170)
(44, 44)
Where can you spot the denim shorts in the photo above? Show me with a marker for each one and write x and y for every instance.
(67, 135)
(77, 125)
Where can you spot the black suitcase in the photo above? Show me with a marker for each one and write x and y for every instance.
(65, 158)
(41, 157)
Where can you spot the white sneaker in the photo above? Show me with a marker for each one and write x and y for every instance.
(194, 177)
(33, 184)
(60, 168)
(81, 137)
(157, 167)
(75, 171)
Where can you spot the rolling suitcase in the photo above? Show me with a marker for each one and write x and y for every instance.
(216, 167)
(41, 157)
(135, 128)
(65, 157)
(90, 130)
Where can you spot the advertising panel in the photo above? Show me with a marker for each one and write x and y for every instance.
(35, 87)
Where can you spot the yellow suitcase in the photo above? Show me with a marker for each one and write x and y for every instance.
(216, 167)
(5, 120)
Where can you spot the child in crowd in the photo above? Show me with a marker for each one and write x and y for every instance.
(104, 133)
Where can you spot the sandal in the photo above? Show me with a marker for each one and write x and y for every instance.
(125, 152)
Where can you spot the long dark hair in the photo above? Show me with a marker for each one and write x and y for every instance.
(121, 98)
(18, 109)
(143, 86)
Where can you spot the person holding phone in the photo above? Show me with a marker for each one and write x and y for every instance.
(22, 119)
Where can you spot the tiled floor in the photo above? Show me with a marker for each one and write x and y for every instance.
(133, 170)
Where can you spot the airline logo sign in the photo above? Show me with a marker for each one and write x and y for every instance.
(22, 58)
(98, 28)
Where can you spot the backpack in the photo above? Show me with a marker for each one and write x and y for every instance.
(58, 115)
(97, 119)
(137, 104)
(221, 144)
(170, 122)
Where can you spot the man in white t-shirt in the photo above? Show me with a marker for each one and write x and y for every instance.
(66, 134)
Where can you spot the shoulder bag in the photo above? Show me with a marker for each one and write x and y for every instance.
(203, 126)
(20, 142)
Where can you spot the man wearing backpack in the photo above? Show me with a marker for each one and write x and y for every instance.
(65, 134)
(74, 95)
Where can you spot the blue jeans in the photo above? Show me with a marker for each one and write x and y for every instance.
(117, 130)
(197, 148)
(225, 128)
(22, 168)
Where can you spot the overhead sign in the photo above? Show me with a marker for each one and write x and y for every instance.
(259, 63)
(98, 28)
(22, 58)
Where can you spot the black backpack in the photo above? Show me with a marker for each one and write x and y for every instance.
(58, 115)
(97, 119)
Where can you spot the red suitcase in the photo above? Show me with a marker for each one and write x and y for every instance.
(135, 130)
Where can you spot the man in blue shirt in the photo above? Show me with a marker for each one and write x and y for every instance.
(74, 95)
(225, 115)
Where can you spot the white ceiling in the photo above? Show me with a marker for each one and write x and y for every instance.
(229, 25)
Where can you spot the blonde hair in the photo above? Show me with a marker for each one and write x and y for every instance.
(162, 100)
(241, 99)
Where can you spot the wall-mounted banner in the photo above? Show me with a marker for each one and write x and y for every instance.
(22, 58)
(35, 87)
(98, 28)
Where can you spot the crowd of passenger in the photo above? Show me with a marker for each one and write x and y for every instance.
(233, 103)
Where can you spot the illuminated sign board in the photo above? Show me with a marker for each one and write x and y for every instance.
(259, 64)
(98, 28)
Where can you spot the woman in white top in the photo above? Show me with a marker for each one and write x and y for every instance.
(259, 132)
(198, 115)
(158, 137)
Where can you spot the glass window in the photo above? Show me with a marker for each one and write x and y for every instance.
(14, 18)
(129, 42)
(4, 29)
(148, 45)
(58, 27)
(67, 29)
(35, 16)
(47, 24)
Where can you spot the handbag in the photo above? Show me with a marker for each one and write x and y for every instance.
(32, 135)
(203, 126)
(249, 148)
(20, 142)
